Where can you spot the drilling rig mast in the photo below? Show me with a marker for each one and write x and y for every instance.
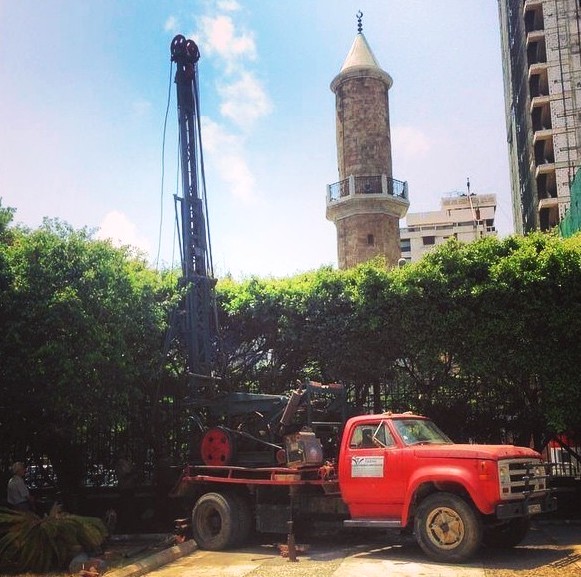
(196, 321)
(236, 427)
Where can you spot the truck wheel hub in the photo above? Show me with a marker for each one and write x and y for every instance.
(445, 528)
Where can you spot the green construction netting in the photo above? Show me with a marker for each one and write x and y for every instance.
(571, 222)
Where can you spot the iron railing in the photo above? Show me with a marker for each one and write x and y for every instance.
(376, 184)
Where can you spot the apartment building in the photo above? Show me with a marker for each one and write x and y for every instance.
(466, 217)
(542, 77)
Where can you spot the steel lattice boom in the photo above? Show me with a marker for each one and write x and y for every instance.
(196, 323)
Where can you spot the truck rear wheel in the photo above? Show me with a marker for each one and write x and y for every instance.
(447, 528)
(507, 535)
(220, 521)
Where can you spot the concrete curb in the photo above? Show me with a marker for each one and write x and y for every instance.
(154, 561)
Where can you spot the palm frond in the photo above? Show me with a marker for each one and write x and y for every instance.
(30, 543)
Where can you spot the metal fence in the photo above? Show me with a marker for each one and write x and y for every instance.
(376, 184)
(102, 455)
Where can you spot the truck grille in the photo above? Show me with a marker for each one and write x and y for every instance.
(520, 478)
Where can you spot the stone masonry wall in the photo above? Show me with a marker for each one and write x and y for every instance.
(362, 237)
(363, 131)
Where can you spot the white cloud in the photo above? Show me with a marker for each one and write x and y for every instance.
(141, 107)
(235, 172)
(244, 101)
(228, 5)
(216, 139)
(225, 151)
(218, 36)
(171, 24)
(243, 98)
(410, 141)
(121, 231)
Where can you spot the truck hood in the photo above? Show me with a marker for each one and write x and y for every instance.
(494, 452)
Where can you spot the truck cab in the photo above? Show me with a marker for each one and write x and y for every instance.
(401, 470)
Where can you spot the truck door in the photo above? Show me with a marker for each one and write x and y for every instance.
(372, 476)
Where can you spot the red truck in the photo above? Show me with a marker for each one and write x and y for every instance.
(392, 471)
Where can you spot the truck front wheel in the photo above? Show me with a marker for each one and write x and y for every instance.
(447, 528)
(219, 521)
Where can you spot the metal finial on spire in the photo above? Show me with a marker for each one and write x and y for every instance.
(359, 25)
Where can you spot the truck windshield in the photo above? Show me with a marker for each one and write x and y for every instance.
(420, 432)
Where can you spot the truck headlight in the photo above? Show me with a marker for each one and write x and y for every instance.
(504, 474)
(504, 480)
(539, 470)
(539, 476)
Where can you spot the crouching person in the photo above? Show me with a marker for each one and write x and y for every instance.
(17, 493)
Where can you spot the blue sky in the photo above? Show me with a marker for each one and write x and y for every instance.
(84, 88)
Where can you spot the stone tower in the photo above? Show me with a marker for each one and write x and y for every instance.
(367, 203)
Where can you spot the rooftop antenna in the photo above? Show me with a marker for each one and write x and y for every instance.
(475, 212)
(359, 24)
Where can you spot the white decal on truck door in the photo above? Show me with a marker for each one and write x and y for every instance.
(367, 466)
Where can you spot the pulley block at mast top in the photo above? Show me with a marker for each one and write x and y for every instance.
(184, 51)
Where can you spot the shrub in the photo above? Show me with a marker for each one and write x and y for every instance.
(31, 543)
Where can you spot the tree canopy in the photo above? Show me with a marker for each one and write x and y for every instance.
(83, 324)
(483, 337)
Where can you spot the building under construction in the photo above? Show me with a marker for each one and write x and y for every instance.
(542, 77)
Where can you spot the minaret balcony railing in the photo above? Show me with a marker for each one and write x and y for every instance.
(376, 185)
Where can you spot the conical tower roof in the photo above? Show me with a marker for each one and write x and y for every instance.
(360, 55)
(361, 62)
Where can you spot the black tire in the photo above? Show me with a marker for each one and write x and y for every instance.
(447, 528)
(216, 521)
(507, 535)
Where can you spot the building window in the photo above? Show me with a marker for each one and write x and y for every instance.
(405, 245)
(370, 240)
(428, 240)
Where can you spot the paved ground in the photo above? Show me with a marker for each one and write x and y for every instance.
(550, 550)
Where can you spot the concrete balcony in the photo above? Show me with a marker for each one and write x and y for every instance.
(540, 135)
(533, 15)
(367, 194)
(546, 203)
(532, 4)
(536, 36)
(538, 68)
(546, 168)
(540, 101)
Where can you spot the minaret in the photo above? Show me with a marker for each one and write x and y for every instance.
(367, 203)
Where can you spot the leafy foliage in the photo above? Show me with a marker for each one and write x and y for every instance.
(481, 336)
(31, 543)
(83, 325)
(6, 216)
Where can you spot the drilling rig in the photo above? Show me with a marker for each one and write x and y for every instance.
(234, 427)
(196, 322)
(266, 457)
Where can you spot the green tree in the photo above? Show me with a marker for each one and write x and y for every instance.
(500, 320)
(83, 327)
(481, 336)
(6, 217)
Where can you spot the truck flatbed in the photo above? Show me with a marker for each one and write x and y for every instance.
(257, 475)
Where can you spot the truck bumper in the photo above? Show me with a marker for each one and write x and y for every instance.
(526, 508)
